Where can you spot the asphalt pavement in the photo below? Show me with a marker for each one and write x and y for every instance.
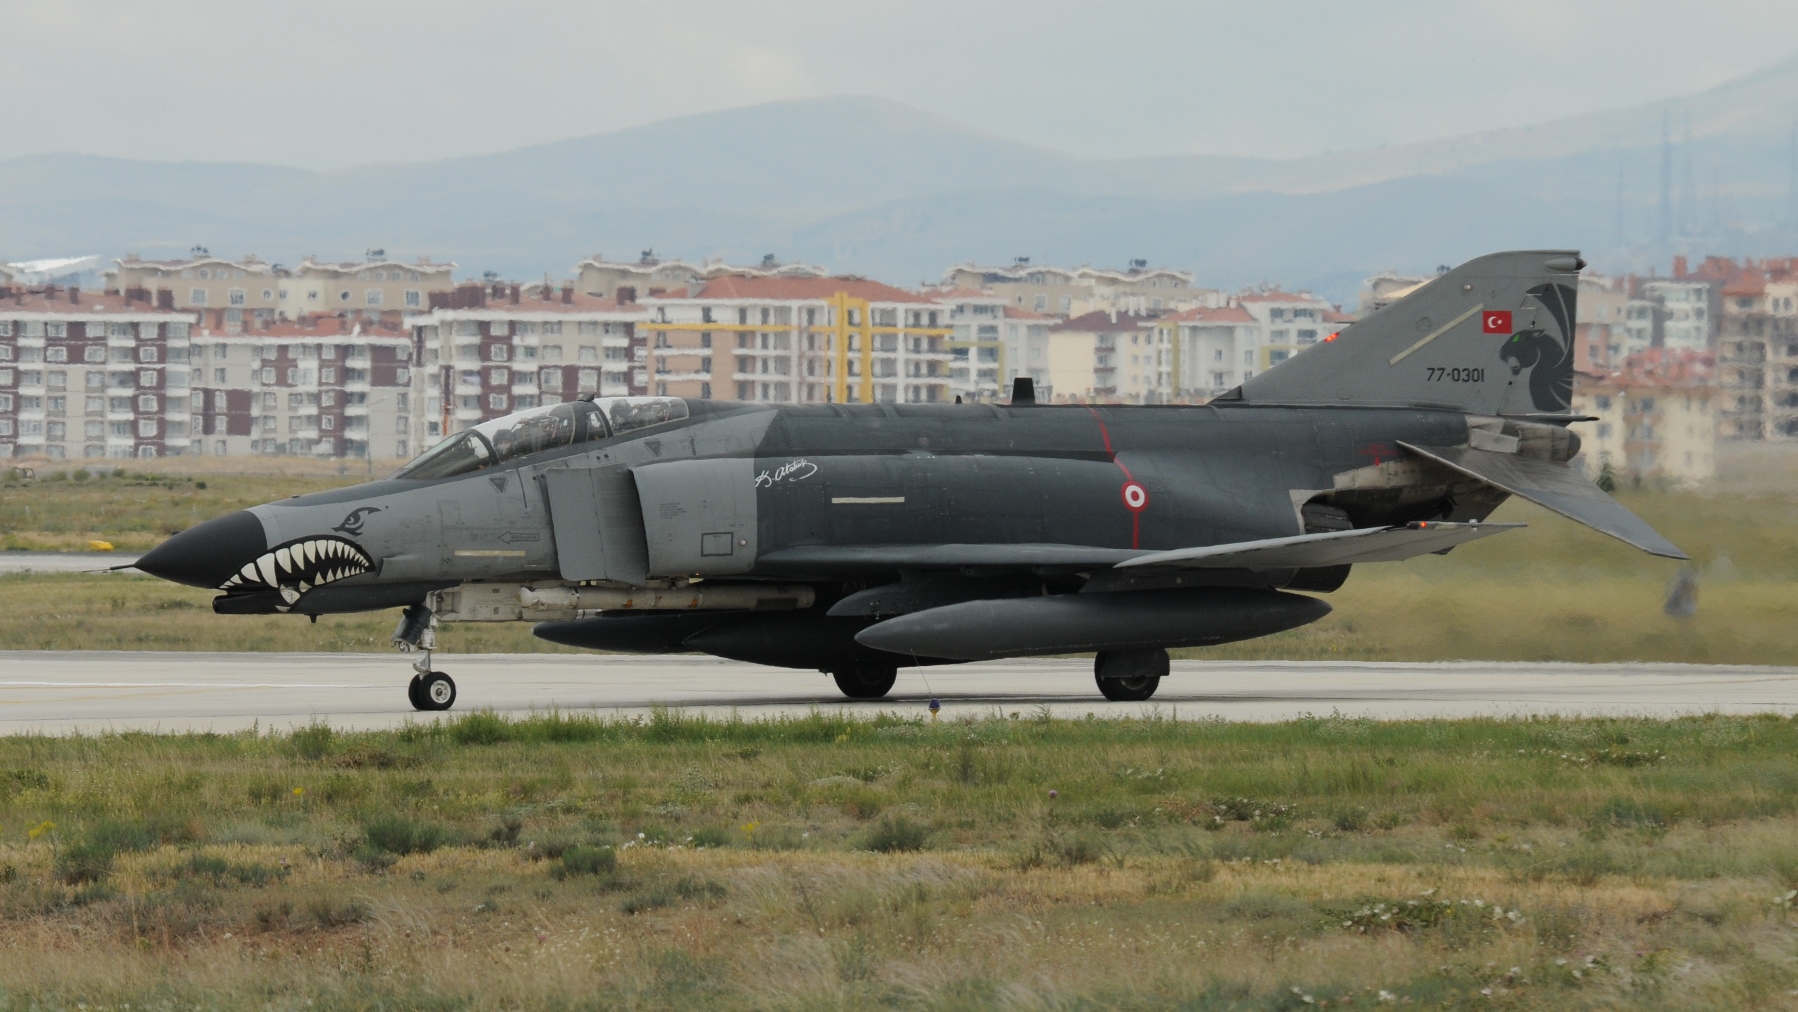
(62, 562)
(95, 691)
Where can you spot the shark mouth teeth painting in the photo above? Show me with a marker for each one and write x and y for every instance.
(299, 566)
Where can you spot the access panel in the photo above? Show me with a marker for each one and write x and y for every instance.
(699, 516)
(598, 526)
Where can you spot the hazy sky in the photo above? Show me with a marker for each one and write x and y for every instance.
(339, 82)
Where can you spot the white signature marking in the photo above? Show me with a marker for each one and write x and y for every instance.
(867, 500)
(793, 470)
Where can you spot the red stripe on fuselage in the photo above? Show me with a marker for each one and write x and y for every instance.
(1135, 515)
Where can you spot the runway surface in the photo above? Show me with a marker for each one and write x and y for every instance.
(62, 562)
(96, 691)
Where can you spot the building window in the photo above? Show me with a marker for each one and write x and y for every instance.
(197, 297)
(551, 380)
(374, 296)
(236, 296)
(589, 380)
(414, 298)
(499, 377)
(496, 401)
(146, 427)
(147, 402)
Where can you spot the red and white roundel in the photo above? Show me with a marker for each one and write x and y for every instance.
(1136, 498)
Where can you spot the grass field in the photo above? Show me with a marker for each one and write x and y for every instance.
(1556, 591)
(568, 862)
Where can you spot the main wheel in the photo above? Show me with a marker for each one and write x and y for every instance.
(865, 683)
(1129, 676)
(436, 691)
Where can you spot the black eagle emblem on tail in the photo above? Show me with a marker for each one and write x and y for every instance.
(1549, 357)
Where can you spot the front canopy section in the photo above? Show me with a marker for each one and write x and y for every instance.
(537, 429)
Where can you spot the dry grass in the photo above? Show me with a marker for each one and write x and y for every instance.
(1185, 865)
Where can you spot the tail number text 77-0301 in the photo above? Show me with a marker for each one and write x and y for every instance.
(1458, 374)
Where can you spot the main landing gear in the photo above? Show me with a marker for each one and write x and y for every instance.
(428, 690)
(865, 683)
(1129, 676)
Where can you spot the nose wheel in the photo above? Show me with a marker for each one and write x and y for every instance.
(431, 690)
(428, 690)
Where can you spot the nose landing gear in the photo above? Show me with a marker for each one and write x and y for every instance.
(428, 690)
(431, 690)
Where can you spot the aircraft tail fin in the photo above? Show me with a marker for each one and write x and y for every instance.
(1493, 336)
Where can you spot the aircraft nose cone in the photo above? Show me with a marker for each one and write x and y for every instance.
(207, 555)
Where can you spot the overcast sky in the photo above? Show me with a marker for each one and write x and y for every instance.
(331, 83)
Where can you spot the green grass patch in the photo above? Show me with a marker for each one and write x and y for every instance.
(676, 860)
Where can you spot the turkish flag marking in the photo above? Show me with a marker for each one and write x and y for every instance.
(1496, 321)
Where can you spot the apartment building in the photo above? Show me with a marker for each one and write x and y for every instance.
(489, 350)
(1110, 357)
(799, 340)
(1075, 291)
(369, 289)
(1215, 350)
(85, 375)
(238, 294)
(1289, 322)
(1657, 418)
(994, 343)
(1687, 317)
(322, 386)
(1601, 339)
(650, 275)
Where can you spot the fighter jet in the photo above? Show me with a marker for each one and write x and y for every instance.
(858, 539)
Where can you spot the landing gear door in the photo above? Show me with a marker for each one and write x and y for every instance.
(699, 516)
(598, 526)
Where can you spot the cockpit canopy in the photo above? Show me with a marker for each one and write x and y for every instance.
(546, 428)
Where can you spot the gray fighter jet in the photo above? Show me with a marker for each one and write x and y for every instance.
(861, 538)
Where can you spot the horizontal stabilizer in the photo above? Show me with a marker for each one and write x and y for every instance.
(1556, 487)
(1330, 548)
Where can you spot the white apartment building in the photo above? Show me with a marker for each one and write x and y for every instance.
(502, 348)
(1687, 322)
(799, 340)
(1290, 322)
(1215, 350)
(1075, 291)
(650, 275)
(236, 295)
(85, 375)
(324, 386)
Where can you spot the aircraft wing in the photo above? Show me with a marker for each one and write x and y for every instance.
(1330, 548)
(1556, 487)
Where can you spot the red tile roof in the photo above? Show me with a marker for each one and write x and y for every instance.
(1223, 314)
(1014, 313)
(57, 302)
(1277, 296)
(1102, 321)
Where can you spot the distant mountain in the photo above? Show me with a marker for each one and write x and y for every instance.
(872, 186)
